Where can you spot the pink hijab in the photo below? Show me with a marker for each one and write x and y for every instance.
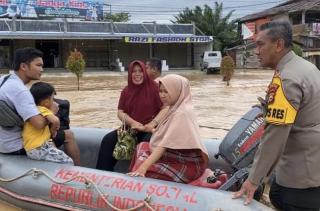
(179, 128)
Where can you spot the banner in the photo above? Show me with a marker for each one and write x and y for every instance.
(316, 28)
(248, 30)
(168, 39)
(86, 9)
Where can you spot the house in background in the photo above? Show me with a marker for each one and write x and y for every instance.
(304, 15)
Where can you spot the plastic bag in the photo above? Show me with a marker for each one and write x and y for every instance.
(126, 143)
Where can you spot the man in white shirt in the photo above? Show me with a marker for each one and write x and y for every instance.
(28, 66)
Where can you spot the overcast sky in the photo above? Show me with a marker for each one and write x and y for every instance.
(163, 11)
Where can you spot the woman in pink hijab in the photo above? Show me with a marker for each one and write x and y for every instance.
(175, 152)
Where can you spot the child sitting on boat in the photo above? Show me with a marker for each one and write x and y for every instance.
(175, 152)
(37, 142)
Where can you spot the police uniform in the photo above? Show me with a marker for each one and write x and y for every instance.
(291, 142)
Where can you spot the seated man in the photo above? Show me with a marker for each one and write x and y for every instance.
(153, 67)
(65, 135)
(27, 66)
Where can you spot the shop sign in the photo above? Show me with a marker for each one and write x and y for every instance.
(168, 39)
(86, 9)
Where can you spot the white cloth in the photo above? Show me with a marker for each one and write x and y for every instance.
(49, 152)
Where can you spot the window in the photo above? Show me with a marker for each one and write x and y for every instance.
(212, 54)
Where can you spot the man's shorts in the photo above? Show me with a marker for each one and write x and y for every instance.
(59, 139)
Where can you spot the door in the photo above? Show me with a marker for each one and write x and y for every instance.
(51, 55)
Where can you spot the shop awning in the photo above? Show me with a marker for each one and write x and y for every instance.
(68, 29)
(311, 53)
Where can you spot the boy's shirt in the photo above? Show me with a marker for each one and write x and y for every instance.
(32, 137)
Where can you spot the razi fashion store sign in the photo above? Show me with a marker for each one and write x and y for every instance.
(86, 9)
(168, 39)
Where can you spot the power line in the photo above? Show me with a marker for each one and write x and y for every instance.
(177, 11)
(233, 7)
(164, 7)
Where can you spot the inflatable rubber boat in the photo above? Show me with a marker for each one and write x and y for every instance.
(40, 185)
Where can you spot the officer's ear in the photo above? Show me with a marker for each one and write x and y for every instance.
(280, 45)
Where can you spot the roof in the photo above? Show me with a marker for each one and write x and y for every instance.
(59, 29)
(250, 44)
(286, 7)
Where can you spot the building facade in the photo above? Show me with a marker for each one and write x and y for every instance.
(304, 15)
(103, 43)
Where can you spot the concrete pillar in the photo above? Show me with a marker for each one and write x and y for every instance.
(303, 17)
(65, 25)
(14, 24)
(199, 49)
(150, 50)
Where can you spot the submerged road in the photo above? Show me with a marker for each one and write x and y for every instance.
(218, 107)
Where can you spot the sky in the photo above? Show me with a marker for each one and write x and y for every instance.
(162, 11)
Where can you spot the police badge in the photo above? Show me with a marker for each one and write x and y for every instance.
(271, 94)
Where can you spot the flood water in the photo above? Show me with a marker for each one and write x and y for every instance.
(217, 106)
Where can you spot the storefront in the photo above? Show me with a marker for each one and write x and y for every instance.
(103, 42)
(57, 27)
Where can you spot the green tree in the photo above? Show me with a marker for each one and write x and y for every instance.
(117, 17)
(212, 23)
(76, 64)
(297, 50)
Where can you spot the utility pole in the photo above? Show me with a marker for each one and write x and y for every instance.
(109, 5)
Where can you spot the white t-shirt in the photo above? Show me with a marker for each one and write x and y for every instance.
(18, 97)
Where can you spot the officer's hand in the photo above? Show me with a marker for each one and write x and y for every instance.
(248, 189)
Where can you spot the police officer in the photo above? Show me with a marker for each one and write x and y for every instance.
(291, 142)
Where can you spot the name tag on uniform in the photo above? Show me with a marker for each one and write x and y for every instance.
(276, 115)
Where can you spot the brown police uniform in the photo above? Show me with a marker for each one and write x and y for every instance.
(291, 142)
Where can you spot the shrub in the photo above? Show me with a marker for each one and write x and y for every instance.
(76, 64)
(227, 68)
(297, 50)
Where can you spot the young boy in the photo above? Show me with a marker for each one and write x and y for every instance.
(37, 142)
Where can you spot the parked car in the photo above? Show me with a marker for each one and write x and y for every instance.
(211, 61)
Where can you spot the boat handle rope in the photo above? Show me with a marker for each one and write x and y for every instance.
(88, 182)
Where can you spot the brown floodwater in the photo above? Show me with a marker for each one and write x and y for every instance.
(217, 106)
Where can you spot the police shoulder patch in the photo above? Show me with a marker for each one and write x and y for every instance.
(272, 90)
(279, 110)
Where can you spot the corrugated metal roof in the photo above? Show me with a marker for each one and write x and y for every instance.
(56, 29)
(287, 7)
